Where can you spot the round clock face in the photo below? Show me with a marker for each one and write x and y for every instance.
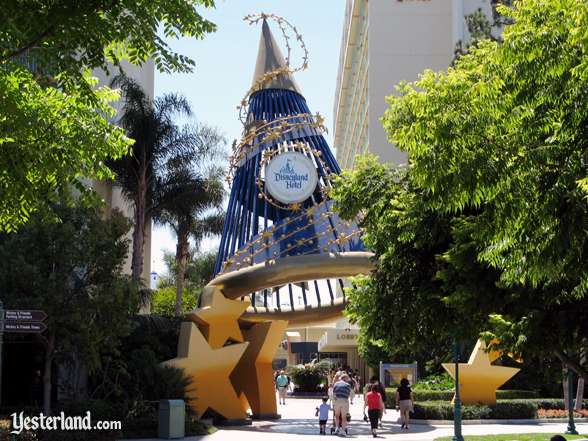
(290, 177)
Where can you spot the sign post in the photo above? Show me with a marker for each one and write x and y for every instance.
(457, 436)
(19, 321)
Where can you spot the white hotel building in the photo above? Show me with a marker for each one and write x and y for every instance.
(385, 42)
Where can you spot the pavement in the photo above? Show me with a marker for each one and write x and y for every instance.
(298, 422)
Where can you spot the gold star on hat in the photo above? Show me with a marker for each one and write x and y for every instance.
(209, 371)
(478, 378)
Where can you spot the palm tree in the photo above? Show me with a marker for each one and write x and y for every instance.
(190, 203)
(159, 141)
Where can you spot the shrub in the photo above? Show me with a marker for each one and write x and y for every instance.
(307, 378)
(442, 382)
(447, 395)
(100, 409)
(433, 395)
(513, 409)
(504, 409)
(516, 394)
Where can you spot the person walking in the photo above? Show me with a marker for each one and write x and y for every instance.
(404, 402)
(351, 383)
(341, 393)
(322, 412)
(375, 406)
(381, 390)
(282, 386)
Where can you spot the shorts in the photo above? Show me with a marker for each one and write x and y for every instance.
(406, 406)
(282, 391)
(322, 422)
(341, 407)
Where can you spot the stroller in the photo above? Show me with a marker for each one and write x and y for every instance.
(334, 427)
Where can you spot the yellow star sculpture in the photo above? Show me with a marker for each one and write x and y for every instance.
(254, 376)
(478, 378)
(218, 320)
(209, 371)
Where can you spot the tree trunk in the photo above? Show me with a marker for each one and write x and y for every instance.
(47, 373)
(581, 381)
(182, 249)
(139, 232)
(580, 394)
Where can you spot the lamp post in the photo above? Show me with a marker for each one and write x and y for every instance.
(1, 339)
(457, 436)
(571, 430)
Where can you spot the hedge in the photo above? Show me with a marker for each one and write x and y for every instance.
(505, 409)
(447, 395)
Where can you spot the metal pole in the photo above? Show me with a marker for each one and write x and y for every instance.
(457, 436)
(1, 340)
(571, 425)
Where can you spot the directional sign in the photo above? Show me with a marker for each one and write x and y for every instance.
(26, 315)
(26, 327)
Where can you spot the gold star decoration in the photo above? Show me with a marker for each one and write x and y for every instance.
(218, 319)
(253, 377)
(478, 378)
(209, 371)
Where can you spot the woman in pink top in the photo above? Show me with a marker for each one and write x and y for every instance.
(375, 405)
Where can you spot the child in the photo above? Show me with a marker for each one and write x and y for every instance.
(322, 412)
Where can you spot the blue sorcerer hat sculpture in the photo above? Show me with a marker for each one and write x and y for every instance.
(284, 252)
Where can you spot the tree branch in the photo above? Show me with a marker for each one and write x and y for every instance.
(572, 364)
(21, 50)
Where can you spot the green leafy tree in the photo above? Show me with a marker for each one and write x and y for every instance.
(71, 269)
(183, 202)
(420, 297)
(49, 140)
(164, 301)
(501, 138)
(53, 121)
(160, 144)
(199, 271)
(60, 36)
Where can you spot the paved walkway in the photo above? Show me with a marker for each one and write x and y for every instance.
(298, 422)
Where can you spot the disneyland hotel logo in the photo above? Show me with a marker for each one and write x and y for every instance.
(289, 176)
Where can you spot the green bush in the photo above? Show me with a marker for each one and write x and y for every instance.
(553, 403)
(99, 409)
(433, 395)
(442, 382)
(307, 378)
(447, 395)
(516, 394)
(513, 409)
(504, 409)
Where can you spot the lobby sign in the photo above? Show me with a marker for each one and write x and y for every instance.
(291, 177)
(334, 339)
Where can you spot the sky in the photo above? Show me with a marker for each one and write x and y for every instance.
(224, 69)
